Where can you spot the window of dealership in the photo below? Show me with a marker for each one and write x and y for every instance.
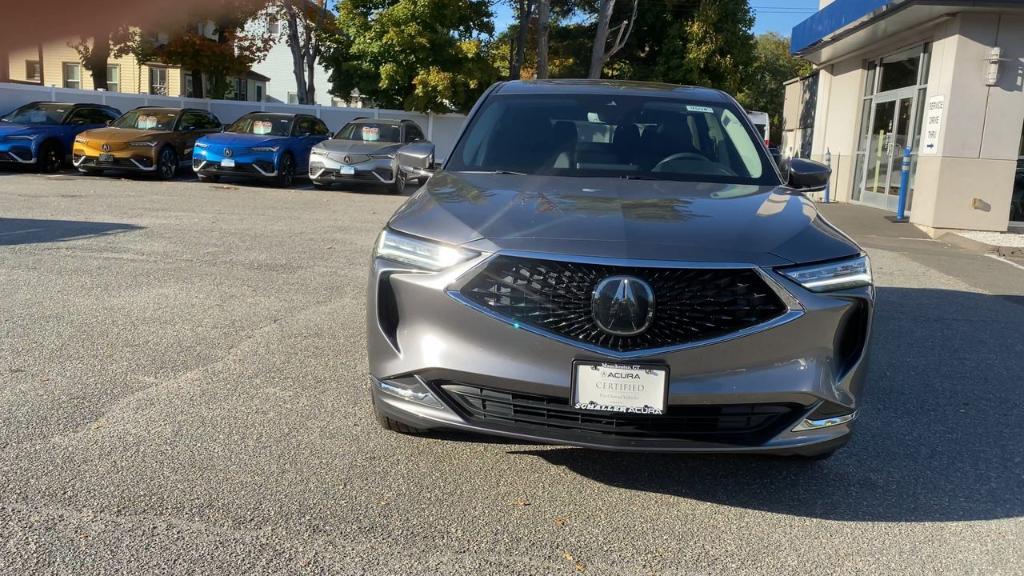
(945, 79)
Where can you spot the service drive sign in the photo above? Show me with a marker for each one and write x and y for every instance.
(932, 125)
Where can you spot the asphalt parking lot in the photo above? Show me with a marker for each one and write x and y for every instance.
(183, 390)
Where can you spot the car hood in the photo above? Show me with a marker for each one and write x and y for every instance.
(358, 147)
(113, 135)
(241, 140)
(635, 219)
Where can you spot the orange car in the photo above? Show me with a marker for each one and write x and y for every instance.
(147, 140)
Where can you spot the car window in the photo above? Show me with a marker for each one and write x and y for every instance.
(614, 135)
(263, 125)
(148, 119)
(370, 132)
(303, 126)
(319, 128)
(85, 116)
(191, 120)
(413, 133)
(211, 122)
(38, 113)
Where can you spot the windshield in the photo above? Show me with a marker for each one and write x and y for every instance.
(40, 113)
(148, 119)
(263, 125)
(370, 132)
(613, 135)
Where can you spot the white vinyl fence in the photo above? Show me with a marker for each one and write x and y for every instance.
(441, 129)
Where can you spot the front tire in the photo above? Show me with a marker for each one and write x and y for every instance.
(167, 164)
(399, 185)
(50, 157)
(285, 171)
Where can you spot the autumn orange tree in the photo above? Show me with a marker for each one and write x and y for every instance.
(217, 43)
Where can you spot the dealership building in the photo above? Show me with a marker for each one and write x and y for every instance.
(944, 77)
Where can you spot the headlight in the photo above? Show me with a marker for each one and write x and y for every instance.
(202, 145)
(32, 137)
(81, 140)
(419, 252)
(830, 276)
(316, 152)
(382, 156)
(264, 148)
(142, 144)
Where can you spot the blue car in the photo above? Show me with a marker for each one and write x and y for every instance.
(41, 134)
(260, 145)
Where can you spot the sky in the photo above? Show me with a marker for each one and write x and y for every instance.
(771, 15)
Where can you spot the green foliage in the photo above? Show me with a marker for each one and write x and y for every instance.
(424, 55)
(763, 89)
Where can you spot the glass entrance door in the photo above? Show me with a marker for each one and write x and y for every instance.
(889, 135)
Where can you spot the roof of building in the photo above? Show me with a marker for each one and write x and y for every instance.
(848, 25)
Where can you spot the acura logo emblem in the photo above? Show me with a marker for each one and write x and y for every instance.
(622, 305)
(228, 152)
(348, 159)
(106, 147)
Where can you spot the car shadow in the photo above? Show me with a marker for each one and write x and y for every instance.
(938, 438)
(14, 231)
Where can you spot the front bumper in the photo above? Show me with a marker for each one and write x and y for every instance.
(805, 368)
(130, 159)
(326, 169)
(17, 152)
(246, 166)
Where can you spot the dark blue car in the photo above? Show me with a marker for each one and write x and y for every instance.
(260, 145)
(41, 134)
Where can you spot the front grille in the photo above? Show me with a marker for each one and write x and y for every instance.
(691, 304)
(738, 424)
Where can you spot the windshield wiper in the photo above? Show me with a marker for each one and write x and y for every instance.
(494, 172)
(639, 177)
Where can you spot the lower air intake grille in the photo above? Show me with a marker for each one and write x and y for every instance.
(739, 424)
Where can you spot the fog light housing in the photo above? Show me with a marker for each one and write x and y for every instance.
(809, 424)
(409, 388)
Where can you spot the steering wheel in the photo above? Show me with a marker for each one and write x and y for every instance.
(680, 156)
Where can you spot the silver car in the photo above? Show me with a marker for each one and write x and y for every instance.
(619, 266)
(363, 151)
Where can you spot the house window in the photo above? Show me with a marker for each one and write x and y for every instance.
(33, 71)
(158, 81)
(72, 75)
(293, 98)
(274, 25)
(241, 89)
(114, 78)
(259, 93)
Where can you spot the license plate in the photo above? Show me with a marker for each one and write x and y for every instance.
(629, 388)
(106, 158)
(227, 163)
(346, 171)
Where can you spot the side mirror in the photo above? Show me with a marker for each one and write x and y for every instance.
(804, 174)
(417, 159)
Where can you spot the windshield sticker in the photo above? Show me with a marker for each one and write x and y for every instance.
(261, 127)
(371, 133)
(703, 109)
(146, 122)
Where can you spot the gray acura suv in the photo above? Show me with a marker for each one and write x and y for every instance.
(622, 266)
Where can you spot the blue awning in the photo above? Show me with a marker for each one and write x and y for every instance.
(831, 19)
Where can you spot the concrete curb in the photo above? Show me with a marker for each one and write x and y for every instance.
(981, 247)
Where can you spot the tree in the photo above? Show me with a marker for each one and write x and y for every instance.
(522, 35)
(763, 87)
(96, 50)
(304, 27)
(226, 49)
(543, 25)
(424, 55)
(601, 52)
